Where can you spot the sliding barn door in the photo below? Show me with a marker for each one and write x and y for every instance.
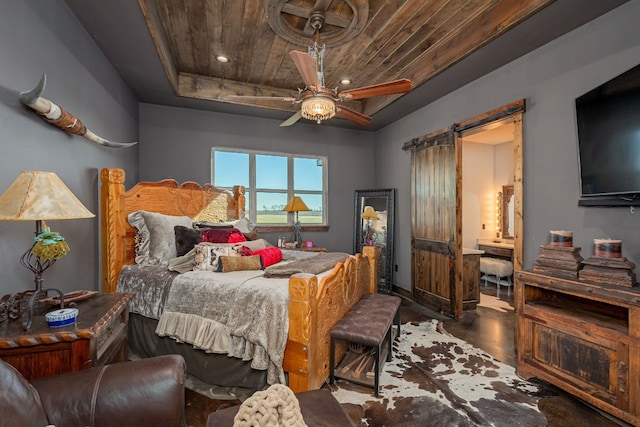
(437, 223)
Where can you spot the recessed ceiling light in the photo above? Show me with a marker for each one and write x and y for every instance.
(345, 82)
(222, 58)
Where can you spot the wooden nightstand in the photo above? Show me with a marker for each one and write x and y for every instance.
(99, 337)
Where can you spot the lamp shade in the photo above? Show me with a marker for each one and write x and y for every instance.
(35, 196)
(296, 204)
(369, 213)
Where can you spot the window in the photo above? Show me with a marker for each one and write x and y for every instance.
(270, 180)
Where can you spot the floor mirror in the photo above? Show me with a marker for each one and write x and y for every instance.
(373, 226)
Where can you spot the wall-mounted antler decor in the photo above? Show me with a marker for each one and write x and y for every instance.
(61, 118)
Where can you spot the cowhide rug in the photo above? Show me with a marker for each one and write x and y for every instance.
(436, 379)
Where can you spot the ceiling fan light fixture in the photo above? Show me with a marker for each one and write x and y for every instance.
(318, 108)
(345, 82)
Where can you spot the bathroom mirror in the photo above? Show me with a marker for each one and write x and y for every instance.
(507, 212)
(369, 205)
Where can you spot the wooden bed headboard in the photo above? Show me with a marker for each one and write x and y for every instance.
(165, 197)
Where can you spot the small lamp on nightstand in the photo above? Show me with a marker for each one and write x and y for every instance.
(369, 214)
(296, 205)
(40, 196)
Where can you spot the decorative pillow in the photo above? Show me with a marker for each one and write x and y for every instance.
(254, 245)
(222, 235)
(245, 251)
(157, 236)
(244, 225)
(186, 239)
(270, 256)
(207, 255)
(239, 263)
(251, 236)
(183, 263)
(216, 210)
(206, 224)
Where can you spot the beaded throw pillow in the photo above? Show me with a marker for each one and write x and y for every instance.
(227, 264)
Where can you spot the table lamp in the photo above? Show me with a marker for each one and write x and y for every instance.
(40, 196)
(296, 205)
(369, 214)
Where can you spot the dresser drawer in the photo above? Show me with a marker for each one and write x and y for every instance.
(111, 336)
(496, 251)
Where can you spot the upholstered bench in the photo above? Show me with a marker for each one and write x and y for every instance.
(368, 323)
(499, 268)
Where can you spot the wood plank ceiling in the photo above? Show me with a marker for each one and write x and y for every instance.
(368, 42)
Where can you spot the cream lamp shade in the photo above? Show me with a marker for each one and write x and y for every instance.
(36, 196)
(296, 204)
(41, 196)
(369, 213)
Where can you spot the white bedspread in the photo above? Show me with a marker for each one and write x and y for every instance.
(239, 313)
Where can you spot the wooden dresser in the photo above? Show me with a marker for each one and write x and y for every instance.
(99, 337)
(583, 338)
(497, 250)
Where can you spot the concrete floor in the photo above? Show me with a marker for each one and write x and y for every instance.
(493, 331)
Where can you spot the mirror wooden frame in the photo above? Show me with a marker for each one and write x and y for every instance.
(507, 194)
(383, 199)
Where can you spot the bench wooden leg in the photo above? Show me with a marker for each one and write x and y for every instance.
(377, 375)
(332, 360)
(390, 339)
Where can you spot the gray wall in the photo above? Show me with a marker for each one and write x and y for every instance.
(44, 37)
(550, 79)
(177, 143)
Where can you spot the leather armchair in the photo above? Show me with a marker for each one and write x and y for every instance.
(146, 392)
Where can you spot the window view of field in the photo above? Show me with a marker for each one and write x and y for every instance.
(280, 217)
(270, 179)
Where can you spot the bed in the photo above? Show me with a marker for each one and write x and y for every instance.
(316, 302)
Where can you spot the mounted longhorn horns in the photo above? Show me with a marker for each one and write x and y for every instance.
(57, 116)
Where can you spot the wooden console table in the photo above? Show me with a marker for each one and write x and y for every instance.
(583, 338)
(97, 338)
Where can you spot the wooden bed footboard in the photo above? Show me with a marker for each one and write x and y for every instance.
(314, 307)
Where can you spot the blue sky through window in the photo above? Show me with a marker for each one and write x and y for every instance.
(232, 168)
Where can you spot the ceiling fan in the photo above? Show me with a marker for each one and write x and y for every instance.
(319, 103)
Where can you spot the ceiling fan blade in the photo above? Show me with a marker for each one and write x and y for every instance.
(354, 116)
(261, 97)
(306, 67)
(388, 88)
(291, 120)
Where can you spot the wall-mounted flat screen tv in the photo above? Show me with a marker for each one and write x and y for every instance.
(609, 137)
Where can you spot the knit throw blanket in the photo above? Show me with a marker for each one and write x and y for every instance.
(276, 406)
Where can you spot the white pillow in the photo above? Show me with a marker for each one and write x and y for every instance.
(157, 244)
